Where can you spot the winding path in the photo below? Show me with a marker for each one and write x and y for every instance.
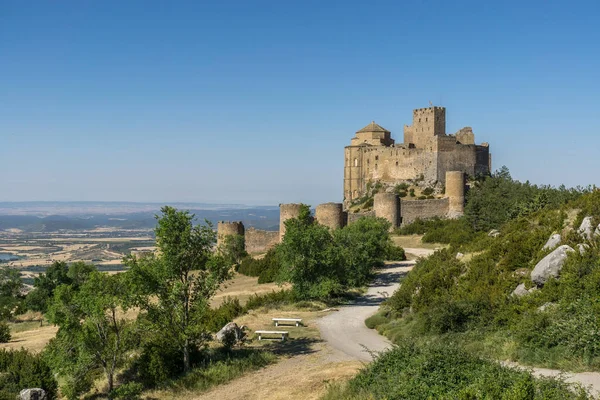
(345, 331)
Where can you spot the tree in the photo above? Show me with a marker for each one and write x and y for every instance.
(309, 258)
(363, 245)
(10, 291)
(174, 287)
(45, 284)
(233, 249)
(93, 332)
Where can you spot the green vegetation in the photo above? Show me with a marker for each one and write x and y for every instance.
(4, 332)
(11, 300)
(468, 301)
(20, 369)
(437, 371)
(321, 264)
(266, 268)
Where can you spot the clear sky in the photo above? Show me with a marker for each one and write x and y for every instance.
(253, 101)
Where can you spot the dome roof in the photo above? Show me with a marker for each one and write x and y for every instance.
(373, 127)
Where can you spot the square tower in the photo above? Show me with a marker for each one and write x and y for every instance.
(427, 123)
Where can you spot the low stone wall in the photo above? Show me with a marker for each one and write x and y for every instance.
(259, 241)
(352, 217)
(424, 209)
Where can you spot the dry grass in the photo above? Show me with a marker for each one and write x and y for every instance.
(414, 241)
(243, 287)
(30, 336)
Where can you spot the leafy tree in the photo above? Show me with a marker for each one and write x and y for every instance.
(93, 332)
(45, 284)
(362, 246)
(175, 286)
(233, 249)
(4, 332)
(10, 291)
(20, 369)
(309, 257)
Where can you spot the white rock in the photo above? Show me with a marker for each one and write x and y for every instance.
(32, 394)
(520, 290)
(459, 255)
(552, 242)
(583, 247)
(494, 233)
(550, 265)
(585, 229)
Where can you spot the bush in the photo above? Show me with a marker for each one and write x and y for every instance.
(272, 299)
(225, 313)
(20, 369)
(437, 371)
(128, 391)
(266, 268)
(395, 253)
(4, 332)
(428, 191)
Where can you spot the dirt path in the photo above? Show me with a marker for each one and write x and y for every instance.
(346, 331)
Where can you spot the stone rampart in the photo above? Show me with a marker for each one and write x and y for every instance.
(228, 228)
(330, 215)
(259, 241)
(424, 209)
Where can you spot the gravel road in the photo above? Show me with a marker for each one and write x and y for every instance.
(345, 330)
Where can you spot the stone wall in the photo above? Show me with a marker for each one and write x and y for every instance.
(424, 209)
(259, 241)
(353, 217)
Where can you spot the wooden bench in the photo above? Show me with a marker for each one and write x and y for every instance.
(297, 321)
(283, 334)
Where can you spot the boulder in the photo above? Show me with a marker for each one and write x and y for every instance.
(545, 306)
(520, 291)
(32, 394)
(550, 265)
(494, 233)
(459, 255)
(231, 329)
(586, 228)
(552, 242)
(582, 248)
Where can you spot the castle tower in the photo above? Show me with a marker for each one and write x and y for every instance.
(455, 190)
(228, 228)
(287, 211)
(330, 215)
(427, 123)
(387, 205)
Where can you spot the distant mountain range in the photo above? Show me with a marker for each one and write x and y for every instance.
(59, 216)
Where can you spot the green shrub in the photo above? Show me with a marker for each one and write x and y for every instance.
(128, 391)
(20, 369)
(4, 332)
(266, 268)
(395, 253)
(428, 191)
(375, 320)
(225, 313)
(402, 194)
(272, 299)
(438, 371)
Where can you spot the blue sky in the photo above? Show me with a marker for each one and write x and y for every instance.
(253, 101)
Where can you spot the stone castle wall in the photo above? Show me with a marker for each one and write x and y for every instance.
(259, 241)
(331, 215)
(228, 228)
(423, 209)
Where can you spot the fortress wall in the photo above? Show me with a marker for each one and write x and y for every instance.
(391, 164)
(424, 209)
(228, 228)
(353, 217)
(259, 241)
(484, 159)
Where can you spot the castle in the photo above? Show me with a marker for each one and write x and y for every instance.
(427, 153)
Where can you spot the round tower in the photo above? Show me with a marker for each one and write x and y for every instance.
(387, 205)
(229, 228)
(330, 215)
(287, 211)
(455, 190)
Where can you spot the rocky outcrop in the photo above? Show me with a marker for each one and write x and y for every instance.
(550, 265)
(582, 247)
(520, 291)
(586, 229)
(552, 242)
(231, 333)
(32, 394)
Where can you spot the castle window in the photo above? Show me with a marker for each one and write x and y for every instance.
(426, 119)
(376, 158)
(356, 162)
(375, 167)
(396, 163)
(419, 119)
